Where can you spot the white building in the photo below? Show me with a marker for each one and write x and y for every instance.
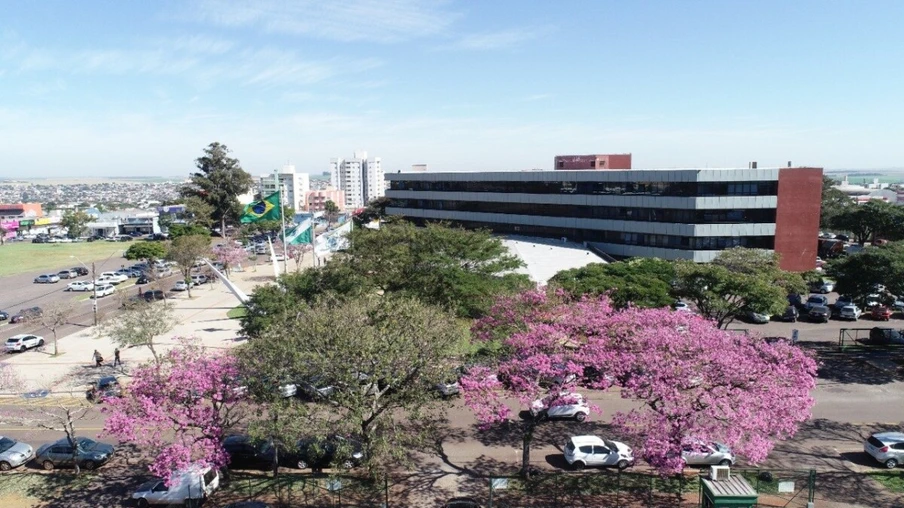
(294, 186)
(360, 178)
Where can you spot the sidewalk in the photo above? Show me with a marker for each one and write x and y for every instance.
(202, 317)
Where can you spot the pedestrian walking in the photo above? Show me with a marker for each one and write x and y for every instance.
(116, 360)
(98, 359)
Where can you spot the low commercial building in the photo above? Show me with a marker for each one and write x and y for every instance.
(672, 214)
(124, 222)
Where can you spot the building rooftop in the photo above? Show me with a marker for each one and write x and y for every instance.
(545, 257)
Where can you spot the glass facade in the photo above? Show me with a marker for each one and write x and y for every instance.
(680, 189)
(619, 237)
(718, 216)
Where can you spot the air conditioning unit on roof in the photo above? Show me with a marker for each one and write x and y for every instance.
(719, 473)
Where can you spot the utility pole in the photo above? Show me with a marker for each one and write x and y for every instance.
(94, 285)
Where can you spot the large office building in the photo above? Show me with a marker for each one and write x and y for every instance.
(294, 186)
(669, 213)
(360, 179)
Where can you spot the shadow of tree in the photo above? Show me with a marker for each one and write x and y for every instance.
(858, 365)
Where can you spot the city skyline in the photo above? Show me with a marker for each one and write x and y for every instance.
(135, 89)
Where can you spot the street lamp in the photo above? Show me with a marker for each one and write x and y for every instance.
(93, 284)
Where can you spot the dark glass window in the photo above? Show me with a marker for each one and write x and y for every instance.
(685, 189)
(679, 216)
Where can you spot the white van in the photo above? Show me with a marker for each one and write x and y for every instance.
(186, 487)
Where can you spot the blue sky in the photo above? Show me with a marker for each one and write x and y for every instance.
(97, 88)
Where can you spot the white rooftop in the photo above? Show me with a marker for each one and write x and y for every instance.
(545, 257)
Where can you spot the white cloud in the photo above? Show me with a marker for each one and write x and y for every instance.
(506, 39)
(381, 21)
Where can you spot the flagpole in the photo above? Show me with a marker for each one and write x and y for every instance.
(282, 217)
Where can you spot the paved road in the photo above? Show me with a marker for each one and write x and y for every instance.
(20, 291)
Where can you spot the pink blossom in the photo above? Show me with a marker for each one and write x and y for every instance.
(694, 382)
(180, 409)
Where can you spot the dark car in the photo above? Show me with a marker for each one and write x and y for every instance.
(27, 315)
(790, 315)
(3, 316)
(60, 454)
(143, 280)
(103, 388)
(40, 239)
(819, 314)
(246, 453)
(80, 270)
(319, 452)
(879, 336)
(462, 502)
(150, 296)
(843, 238)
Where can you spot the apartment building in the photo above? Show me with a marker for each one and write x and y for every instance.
(360, 178)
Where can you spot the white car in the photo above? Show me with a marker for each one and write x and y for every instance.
(199, 279)
(826, 287)
(22, 342)
(707, 454)
(887, 448)
(851, 312)
(80, 285)
(103, 290)
(562, 405)
(582, 451)
(114, 276)
(181, 285)
(682, 307)
(47, 278)
(194, 484)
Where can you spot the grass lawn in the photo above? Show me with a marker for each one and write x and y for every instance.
(238, 312)
(22, 257)
(891, 480)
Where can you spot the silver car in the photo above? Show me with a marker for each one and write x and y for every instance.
(707, 454)
(886, 447)
(13, 453)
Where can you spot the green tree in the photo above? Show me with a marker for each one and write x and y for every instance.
(75, 222)
(857, 275)
(177, 230)
(139, 324)
(218, 182)
(400, 346)
(834, 203)
(198, 212)
(737, 280)
(870, 220)
(146, 251)
(642, 282)
(331, 210)
(375, 210)
(185, 251)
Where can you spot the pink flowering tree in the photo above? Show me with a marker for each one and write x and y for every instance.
(692, 382)
(297, 253)
(181, 408)
(230, 255)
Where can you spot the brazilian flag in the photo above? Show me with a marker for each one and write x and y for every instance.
(265, 209)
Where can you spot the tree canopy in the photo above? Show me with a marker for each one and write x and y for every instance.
(453, 268)
(737, 280)
(871, 220)
(695, 383)
(186, 250)
(857, 275)
(380, 354)
(642, 282)
(834, 202)
(75, 222)
(218, 182)
(148, 251)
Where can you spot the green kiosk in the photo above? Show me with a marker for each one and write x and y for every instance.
(729, 491)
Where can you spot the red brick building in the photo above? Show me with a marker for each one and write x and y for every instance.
(593, 162)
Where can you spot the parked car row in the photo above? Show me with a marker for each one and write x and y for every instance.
(62, 453)
(309, 452)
